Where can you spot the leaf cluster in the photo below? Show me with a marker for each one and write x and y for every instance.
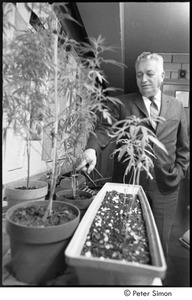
(135, 142)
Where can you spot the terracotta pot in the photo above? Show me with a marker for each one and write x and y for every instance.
(82, 204)
(16, 196)
(96, 271)
(37, 253)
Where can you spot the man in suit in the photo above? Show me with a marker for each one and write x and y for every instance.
(169, 169)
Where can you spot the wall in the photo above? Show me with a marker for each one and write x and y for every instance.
(155, 27)
(103, 18)
(15, 162)
(174, 63)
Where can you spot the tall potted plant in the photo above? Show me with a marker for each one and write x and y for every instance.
(39, 231)
(68, 121)
(24, 93)
(117, 242)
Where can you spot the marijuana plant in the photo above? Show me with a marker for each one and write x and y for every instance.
(25, 73)
(135, 140)
(40, 76)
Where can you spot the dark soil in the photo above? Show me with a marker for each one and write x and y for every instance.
(25, 188)
(33, 216)
(116, 234)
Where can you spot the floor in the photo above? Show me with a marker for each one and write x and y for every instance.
(178, 262)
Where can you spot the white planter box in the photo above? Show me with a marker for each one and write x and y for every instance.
(95, 271)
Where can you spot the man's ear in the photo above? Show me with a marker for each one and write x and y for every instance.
(163, 75)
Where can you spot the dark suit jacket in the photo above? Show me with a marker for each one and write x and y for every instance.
(169, 169)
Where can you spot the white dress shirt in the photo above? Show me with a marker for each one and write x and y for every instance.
(157, 101)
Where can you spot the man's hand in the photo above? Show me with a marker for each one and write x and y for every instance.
(88, 161)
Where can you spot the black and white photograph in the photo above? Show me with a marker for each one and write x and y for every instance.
(96, 149)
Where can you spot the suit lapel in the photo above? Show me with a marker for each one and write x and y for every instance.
(164, 108)
(164, 105)
(140, 104)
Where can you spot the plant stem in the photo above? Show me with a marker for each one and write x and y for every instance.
(73, 184)
(28, 161)
(54, 162)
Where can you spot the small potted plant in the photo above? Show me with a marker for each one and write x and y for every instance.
(117, 242)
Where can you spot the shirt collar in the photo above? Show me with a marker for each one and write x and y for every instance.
(157, 101)
(157, 97)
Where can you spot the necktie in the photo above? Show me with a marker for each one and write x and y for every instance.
(153, 112)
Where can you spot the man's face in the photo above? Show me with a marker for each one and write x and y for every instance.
(149, 77)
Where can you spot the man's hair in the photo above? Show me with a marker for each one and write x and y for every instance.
(147, 56)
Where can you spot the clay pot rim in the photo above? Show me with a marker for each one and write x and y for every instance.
(15, 185)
